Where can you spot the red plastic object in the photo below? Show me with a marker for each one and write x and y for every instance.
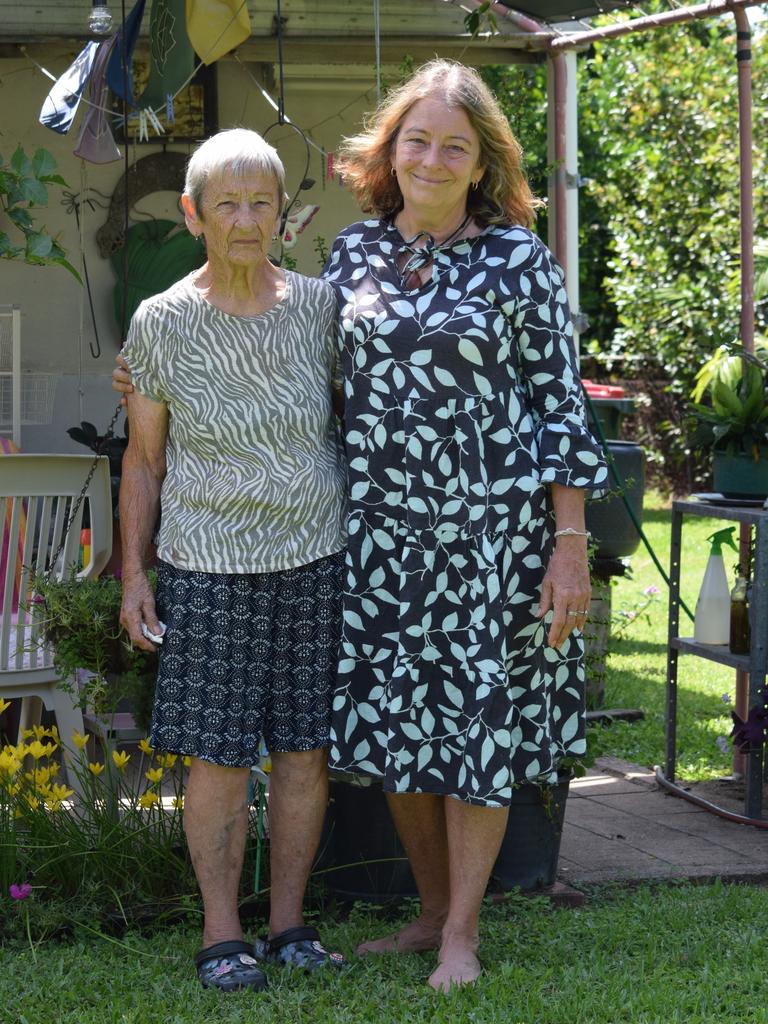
(603, 390)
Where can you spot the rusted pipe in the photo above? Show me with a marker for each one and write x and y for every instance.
(679, 15)
(747, 265)
(746, 202)
(532, 35)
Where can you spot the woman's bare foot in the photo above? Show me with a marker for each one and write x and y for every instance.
(457, 964)
(415, 937)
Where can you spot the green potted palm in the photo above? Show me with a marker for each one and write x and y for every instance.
(729, 416)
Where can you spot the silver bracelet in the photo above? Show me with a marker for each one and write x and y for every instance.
(570, 532)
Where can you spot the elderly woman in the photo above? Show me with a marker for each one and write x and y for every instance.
(233, 441)
(461, 672)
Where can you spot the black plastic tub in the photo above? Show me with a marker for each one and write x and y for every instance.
(361, 857)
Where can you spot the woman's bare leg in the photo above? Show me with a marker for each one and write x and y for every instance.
(474, 839)
(420, 822)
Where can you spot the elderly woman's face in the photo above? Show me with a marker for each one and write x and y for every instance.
(436, 156)
(238, 217)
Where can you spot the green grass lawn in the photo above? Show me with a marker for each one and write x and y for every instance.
(693, 955)
(678, 954)
(636, 671)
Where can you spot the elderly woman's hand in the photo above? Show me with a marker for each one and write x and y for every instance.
(139, 607)
(566, 589)
(121, 378)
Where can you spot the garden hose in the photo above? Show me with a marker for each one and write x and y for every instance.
(621, 484)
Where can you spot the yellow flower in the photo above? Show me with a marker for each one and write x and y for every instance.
(39, 732)
(148, 799)
(32, 801)
(9, 762)
(79, 740)
(4, 705)
(178, 802)
(60, 792)
(120, 758)
(40, 776)
(154, 774)
(186, 761)
(145, 748)
(167, 760)
(95, 769)
(53, 804)
(53, 732)
(37, 749)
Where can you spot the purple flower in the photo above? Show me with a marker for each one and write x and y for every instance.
(653, 589)
(726, 698)
(20, 892)
(751, 733)
(722, 744)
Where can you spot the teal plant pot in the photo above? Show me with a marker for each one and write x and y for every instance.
(739, 475)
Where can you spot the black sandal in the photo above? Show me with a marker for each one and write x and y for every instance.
(297, 947)
(229, 966)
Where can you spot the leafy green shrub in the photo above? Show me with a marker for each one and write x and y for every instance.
(23, 187)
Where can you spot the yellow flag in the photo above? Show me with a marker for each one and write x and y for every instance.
(215, 27)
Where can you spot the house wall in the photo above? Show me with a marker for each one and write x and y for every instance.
(325, 101)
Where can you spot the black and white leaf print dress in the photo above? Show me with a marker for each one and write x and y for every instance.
(462, 403)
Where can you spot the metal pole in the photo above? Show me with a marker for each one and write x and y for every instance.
(746, 224)
(677, 16)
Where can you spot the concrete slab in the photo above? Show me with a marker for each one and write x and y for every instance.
(656, 805)
(619, 826)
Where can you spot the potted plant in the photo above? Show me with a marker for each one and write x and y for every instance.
(730, 416)
(81, 620)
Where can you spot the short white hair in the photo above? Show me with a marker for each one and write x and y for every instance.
(238, 151)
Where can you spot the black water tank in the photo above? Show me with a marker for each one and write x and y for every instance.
(607, 519)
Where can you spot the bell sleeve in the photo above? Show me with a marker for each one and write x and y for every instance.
(568, 454)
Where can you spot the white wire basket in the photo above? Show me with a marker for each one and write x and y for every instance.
(38, 393)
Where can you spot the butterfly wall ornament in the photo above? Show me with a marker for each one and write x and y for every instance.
(296, 222)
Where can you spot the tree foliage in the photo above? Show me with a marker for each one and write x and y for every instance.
(659, 205)
(659, 130)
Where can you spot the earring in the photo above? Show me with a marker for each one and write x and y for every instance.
(393, 172)
(474, 185)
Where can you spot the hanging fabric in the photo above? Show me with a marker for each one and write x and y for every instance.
(172, 56)
(116, 78)
(61, 103)
(215, 27)
(96, 143)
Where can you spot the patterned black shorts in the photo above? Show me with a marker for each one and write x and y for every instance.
(246, 656)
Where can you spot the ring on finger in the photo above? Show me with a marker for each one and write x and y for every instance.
(575, 614)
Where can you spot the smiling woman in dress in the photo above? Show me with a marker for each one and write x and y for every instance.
(461, 672)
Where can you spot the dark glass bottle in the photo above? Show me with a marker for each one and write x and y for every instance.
(740, 639)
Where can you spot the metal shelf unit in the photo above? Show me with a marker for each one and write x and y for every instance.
(753, 663)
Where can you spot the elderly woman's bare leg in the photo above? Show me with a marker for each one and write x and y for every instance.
(216, 823)
(298, 794)
(474, 838)
(420, 822)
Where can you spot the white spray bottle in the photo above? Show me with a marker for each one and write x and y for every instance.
(712, 621)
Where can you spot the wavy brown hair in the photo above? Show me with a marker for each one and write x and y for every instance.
(365, 160)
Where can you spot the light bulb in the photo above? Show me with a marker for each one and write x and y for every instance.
(100, 19)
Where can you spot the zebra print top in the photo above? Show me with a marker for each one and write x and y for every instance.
(255, 472)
